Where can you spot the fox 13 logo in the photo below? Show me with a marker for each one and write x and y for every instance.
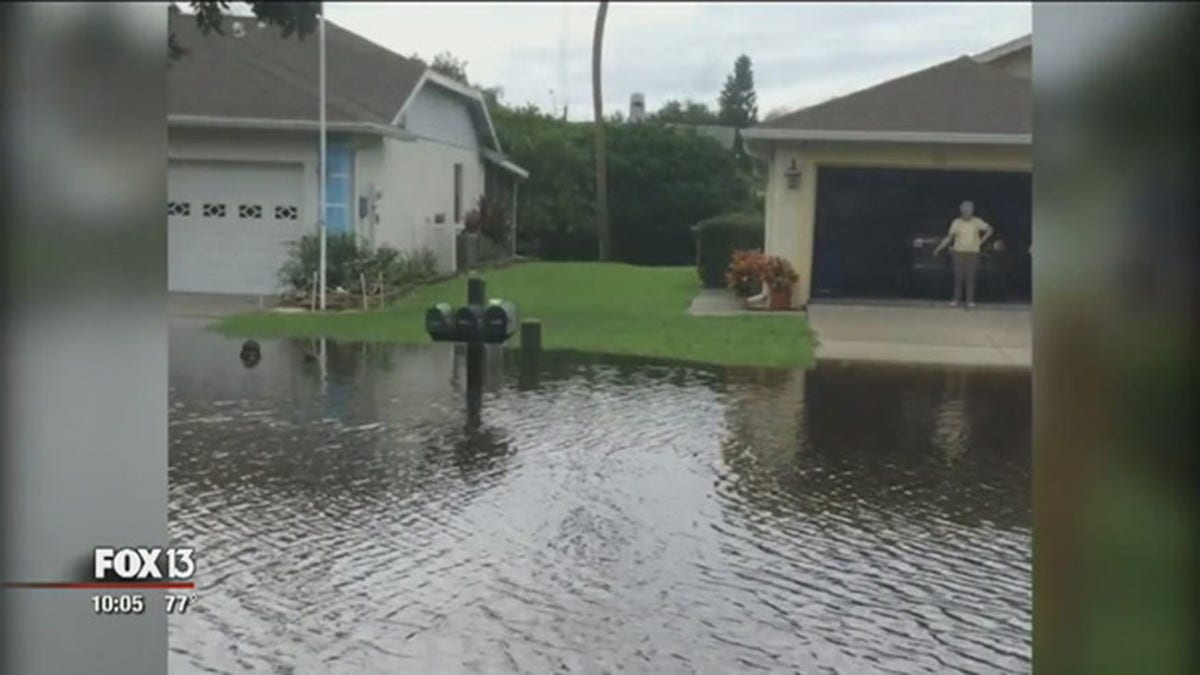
(143, 564)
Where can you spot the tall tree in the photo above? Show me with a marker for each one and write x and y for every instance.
(774, 113)
(738, 102)
(493, 95)
(292, 18)
(685, 112)
(602, 232)
(450, 66)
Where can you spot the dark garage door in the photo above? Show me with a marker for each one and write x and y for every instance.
(876, 230)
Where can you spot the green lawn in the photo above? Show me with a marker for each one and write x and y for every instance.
(592, 307)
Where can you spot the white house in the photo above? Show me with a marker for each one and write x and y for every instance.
(410, 151)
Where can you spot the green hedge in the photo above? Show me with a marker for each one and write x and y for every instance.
(661, 182)
(718, 237)
(346, 259)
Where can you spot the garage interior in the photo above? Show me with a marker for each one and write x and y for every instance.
(876, 230)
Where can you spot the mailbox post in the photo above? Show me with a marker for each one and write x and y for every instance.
(477, 323)
(476, 290)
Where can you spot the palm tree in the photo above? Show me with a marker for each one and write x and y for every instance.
(602, 232)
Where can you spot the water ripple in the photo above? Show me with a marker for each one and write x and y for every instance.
(614, 516)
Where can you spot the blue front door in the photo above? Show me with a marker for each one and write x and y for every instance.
(339, 188)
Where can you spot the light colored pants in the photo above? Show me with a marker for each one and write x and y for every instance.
(965, 265)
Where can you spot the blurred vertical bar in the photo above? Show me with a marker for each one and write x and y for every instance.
(1115, 336)
(84, 404)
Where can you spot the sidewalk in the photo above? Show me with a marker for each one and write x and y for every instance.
(720, 302)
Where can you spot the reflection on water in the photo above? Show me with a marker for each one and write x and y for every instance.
(597, 514)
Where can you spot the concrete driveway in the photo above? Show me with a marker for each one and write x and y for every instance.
(983, 336)
(903, 332)
(215, 306)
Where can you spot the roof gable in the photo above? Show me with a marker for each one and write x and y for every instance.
(961, 96)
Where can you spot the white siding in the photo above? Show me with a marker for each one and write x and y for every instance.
(416, 179)
(441, 115)
(368, 174)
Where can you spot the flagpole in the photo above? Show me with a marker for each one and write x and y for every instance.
(321, 171)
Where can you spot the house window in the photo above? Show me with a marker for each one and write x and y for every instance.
(458, 193)
(339, 189)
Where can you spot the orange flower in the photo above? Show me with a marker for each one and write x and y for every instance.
(745, 272)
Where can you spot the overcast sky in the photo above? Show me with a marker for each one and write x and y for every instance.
(803, 54)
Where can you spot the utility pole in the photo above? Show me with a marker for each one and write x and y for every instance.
(602, 233)
(321, 172)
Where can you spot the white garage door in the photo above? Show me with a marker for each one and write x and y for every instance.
(230, 225)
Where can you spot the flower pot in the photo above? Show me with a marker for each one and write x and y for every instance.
(747, 289)
(781, 298)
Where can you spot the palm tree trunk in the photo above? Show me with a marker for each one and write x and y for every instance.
(602, 231)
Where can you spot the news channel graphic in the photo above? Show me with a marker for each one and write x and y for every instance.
(124, 575)
(143, 564)
(133, 568)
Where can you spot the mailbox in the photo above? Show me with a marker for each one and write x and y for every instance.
(468, 323)
(439, 322)
(474, 323)
(499, 321)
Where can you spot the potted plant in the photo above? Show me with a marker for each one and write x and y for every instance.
(745, 273)
(780, 278)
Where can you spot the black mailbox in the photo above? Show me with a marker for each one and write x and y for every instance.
(499, 321)
(468, 323)
(439, 322)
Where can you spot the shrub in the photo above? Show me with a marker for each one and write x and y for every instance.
(490, 218)
(395, 268)
(716, 240)
(491, 250)
(745, 273)
(341, 253)
(661, 181)
(778, 273)
(346, 261)
(422, 263)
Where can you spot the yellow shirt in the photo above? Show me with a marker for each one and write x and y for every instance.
(967, 234)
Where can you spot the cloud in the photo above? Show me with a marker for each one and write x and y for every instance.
(802, 54)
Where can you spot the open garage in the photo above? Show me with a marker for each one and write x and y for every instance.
(876, 230)
(862, 187)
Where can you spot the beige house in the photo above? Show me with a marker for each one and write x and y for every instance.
(861, 187)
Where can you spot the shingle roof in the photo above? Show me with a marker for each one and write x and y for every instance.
(262, 75)
(958, 96)
(1011, 47)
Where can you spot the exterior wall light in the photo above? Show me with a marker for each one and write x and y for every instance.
(793, 176)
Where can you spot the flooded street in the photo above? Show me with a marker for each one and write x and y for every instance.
(351, 514)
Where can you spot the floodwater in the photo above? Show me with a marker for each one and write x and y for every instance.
(355, 513)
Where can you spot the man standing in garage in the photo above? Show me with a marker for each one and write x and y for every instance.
(966, 238)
